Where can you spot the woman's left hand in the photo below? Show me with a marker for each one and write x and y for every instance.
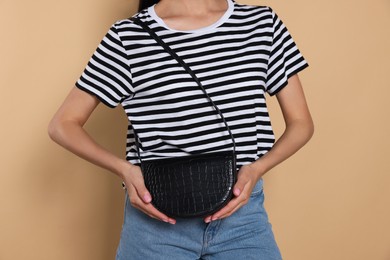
(247, 178)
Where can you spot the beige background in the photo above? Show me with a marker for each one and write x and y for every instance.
(329, 202)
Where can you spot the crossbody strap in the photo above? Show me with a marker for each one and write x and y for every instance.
(188, 69)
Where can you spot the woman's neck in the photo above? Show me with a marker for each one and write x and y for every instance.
(177, 8)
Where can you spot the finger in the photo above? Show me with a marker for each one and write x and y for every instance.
(141, 189)
(229, 207)
(232, 211)
(158, 214)
(239, 186)
(241, 199)
(148, 208)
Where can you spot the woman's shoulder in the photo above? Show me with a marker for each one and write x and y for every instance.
(261, 13)
(257, 15)
(253, 8)
(128, 22)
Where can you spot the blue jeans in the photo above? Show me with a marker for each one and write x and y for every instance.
(246, 234)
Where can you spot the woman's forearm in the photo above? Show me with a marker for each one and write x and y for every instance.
(295, 136)
(74, 138)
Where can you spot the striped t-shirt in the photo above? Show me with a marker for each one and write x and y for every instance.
(239, 58)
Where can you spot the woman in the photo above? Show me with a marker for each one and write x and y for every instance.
(240, 53)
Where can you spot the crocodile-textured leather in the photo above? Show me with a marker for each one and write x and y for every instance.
(191, 186)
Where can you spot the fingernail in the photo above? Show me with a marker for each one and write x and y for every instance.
(214, 218)
(207, 220)
(147, 198)
(165, 220)
(237, 191)
(171, 221)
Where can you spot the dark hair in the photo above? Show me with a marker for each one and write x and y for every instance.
(146, 3)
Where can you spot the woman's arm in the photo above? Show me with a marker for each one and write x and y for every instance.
(299, 129)
(66, 129)
(299, 126)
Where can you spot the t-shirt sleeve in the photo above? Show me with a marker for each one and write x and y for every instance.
(107, 74)
(285, 59)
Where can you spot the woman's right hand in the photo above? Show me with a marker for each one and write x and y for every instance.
(140, 197)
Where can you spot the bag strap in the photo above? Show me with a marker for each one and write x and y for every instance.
(136, 20)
